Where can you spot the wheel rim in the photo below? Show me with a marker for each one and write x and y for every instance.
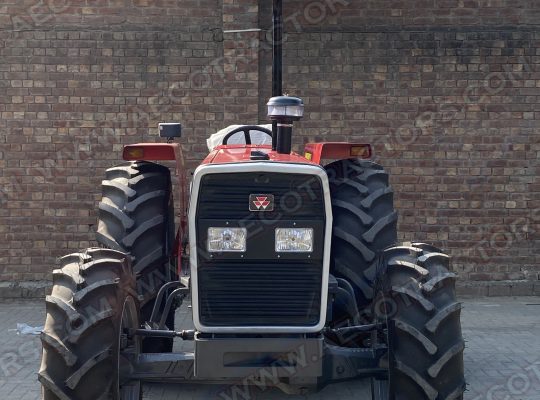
(128, 349)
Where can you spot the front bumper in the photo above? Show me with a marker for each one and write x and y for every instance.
(246, 357)
(295, 365)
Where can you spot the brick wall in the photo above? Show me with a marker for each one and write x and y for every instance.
(448, 93)
(447, 90)
(78, 80)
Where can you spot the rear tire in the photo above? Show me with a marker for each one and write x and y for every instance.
(416, 300)
(136, 216)
(93, 298)
(365, 223)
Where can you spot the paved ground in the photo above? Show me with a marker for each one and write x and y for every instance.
(502, 358)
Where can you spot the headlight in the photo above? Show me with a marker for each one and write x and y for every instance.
(297, 240)
(226, 239)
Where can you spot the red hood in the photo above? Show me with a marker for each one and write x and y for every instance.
(242, 153)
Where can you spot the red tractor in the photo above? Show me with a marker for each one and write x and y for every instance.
(291, 265)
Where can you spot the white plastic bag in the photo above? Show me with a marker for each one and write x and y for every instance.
(25, 329)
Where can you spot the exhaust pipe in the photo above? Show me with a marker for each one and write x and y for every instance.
(277, 60)
(282, 110)
(277, 49)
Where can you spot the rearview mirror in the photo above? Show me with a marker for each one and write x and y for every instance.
(170, 130)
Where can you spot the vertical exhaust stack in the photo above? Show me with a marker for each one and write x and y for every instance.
(277, 59)
(277, 48)
(282, 110)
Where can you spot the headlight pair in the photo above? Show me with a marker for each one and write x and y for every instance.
(287, 240)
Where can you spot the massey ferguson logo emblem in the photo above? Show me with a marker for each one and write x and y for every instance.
(261, 202)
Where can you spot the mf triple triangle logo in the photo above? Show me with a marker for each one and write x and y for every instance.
(261, 202)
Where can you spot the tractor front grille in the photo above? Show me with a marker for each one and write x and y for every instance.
(249, 294)
(260, 288)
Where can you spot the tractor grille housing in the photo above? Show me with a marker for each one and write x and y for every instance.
(260, 289)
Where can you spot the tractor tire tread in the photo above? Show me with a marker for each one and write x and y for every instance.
(75, 279)
(414, 295)
(63, 305)
(54, 343)
(149, 260)
(430, 392)
(433, 324)
(400, 264)
(365, 222)
(50, 386)
(80, 295)
(72, 356)
(74, 258)
(97, 264)
(132, 206)
(357, 244)
(425, 317)
(134, 218)
(379, 174)
(130, 239)
(435, 369)
(438, 281)
(430, 347)
(125, 190)
(375, 196)
(379, 226)
(107, 240)
(75, 378)
(356, 211)
(126, 222)
(104, 315)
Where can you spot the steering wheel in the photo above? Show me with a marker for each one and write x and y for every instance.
(246, 129)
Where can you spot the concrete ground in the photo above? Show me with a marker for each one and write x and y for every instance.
(502, 359)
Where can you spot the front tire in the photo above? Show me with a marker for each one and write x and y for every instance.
(416, 301)
(93, 301)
